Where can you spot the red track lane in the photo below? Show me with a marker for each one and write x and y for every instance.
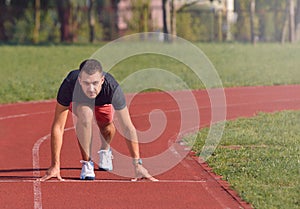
(25, 155)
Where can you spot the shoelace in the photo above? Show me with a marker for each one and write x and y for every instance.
(88, 164)
(108, 157)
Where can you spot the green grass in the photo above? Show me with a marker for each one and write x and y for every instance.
(263, 64)
(260, 158)
(35, 72)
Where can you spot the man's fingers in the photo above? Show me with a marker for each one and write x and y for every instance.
(143, 173)
(60, 178)
(153, 179)
(150, 178)
(47, 177)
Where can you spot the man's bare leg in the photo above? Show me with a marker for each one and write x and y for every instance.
(108, 132)
(84, 130)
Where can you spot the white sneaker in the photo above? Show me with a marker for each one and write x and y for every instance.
(87, 171)
(105, 162)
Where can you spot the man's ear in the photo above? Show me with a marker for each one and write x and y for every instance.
(102, 79)
(79, 79)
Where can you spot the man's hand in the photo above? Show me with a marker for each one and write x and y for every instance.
(53, 172)
(141, 172)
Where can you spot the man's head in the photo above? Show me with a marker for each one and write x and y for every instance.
(91, 77)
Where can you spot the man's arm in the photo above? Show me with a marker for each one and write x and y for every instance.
(57, 130)
(130, 134)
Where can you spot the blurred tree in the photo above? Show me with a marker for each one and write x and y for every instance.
(173, 11)
(291, 9)
(164, 13)
(289, 24)
(141, 16)
(243, 30)
(271, 19)
(252, 26)
(37, 21)
(298, 21)
(91, 19)
(64, 15)
(3, 17)
(278, 8)
(11, 11)
(69, 17)
(108, 16)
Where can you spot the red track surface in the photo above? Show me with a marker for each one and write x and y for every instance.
(25, 155)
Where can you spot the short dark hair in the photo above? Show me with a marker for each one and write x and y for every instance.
(90, 66)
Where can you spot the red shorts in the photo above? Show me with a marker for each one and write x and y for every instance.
(103, 114)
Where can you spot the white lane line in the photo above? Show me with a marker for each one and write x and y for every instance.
(36, 172)
(37, 193)
(37, 183)
(23, 115)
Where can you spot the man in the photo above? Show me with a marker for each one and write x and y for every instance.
(89, 92)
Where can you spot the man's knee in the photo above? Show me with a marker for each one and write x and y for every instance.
(84, 115)
(107, 129)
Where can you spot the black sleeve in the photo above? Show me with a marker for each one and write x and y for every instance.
(118, 99)
(65, 92)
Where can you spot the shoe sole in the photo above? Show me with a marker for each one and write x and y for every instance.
(87, 178)
(105, 169)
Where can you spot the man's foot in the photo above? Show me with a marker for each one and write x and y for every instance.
(105, 162)
(87, 171)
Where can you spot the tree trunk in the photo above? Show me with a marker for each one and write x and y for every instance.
(74, 22)
(285, 25)
(298, 21)
(114, 20)
(276, 17)
(37, 21)
(3, 12)
(173, 18)
(252, 16)
(145, 16)
(107, 12)
(166, 13)
(91, 19)
(291, 21)
(64, 16)
(220, 24)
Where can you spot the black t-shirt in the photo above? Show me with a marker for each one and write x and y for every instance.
(111, 92)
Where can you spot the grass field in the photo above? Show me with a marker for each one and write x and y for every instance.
(265, 167)
(260, 158)
(34, 73)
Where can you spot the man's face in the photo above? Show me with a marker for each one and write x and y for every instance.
(91, 84)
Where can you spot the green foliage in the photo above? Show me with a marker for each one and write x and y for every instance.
(271, 15)
(140, 19)
(107, 10)
(192, 27)
(16, 22)
(260, 158)
(242, 27)
(22, 30)
(49, 31)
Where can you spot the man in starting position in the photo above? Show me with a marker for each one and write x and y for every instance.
(89, 92)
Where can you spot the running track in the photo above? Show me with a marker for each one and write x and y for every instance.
(25, 155)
